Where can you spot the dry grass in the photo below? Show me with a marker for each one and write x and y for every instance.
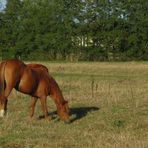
(109, 102)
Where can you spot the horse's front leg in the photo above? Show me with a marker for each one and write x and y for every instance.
(32, 106)
(44, 107)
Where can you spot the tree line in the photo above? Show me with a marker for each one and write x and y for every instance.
(74, 30)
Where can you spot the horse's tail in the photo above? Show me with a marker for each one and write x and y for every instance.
(2, 78)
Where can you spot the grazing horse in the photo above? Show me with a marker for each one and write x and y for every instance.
(34, 80)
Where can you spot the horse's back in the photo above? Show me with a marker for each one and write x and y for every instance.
(38, 67)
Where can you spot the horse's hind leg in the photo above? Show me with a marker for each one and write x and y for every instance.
(4, 101)
(3, 106)
(32, 106)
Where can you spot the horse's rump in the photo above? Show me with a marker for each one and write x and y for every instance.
(2, 79)
(17, 75)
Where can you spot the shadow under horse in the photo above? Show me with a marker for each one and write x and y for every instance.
(77, 112)
(81, 112)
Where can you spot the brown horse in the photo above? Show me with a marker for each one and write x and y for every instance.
(33, 80)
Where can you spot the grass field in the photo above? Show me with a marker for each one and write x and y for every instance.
(109, 109)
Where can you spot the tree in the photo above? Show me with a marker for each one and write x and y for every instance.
(88, 29)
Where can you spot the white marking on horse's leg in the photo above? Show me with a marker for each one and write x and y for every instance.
(2, 113)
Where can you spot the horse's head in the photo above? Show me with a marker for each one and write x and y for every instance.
(63, 112)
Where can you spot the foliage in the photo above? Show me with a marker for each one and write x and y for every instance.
(91, 30)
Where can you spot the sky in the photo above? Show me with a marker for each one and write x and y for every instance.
(2, 4)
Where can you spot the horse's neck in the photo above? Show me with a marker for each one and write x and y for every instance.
(56, 93)
(59, 97)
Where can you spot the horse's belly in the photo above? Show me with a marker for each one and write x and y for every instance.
(25, 88)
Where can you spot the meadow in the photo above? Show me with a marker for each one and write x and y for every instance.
(108, 102)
